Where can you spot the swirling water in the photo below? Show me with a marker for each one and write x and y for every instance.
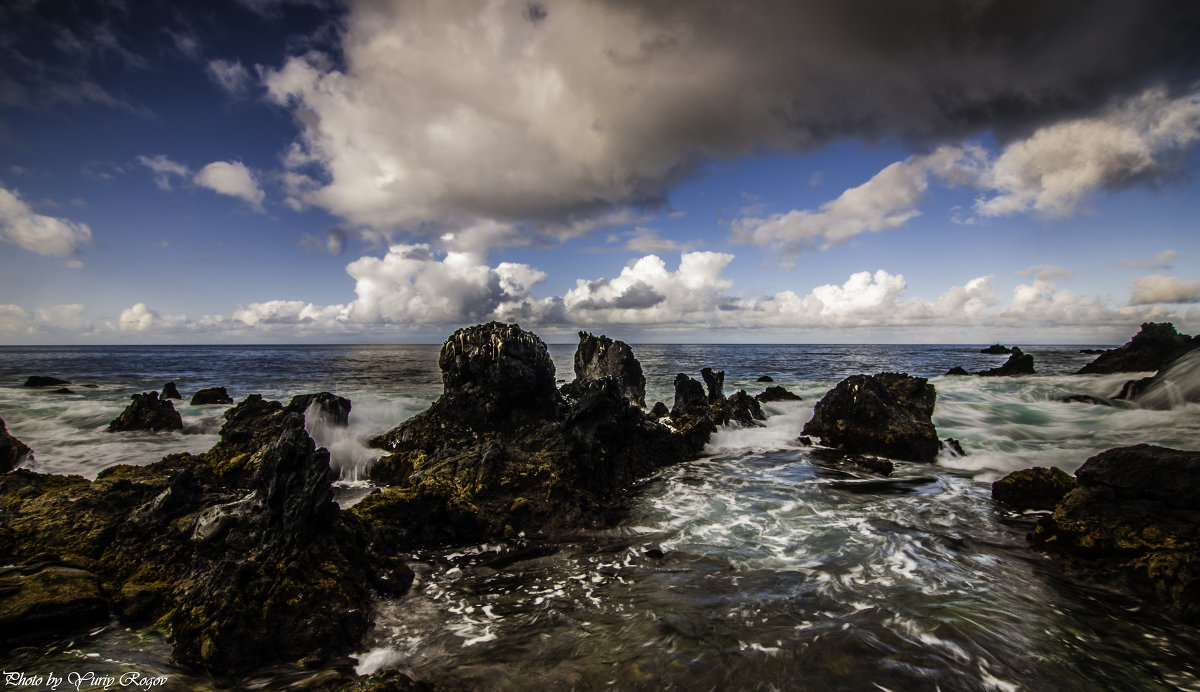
(755, 567)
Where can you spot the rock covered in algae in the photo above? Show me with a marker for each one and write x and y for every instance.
(13, 452)
(1039, 487)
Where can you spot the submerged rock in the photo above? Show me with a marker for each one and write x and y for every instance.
(889, 414)
(599, 356)
(147, 412)
(170, 391)
(13, 452)
(1019, 363)
(1134, 519)
(43, 381)
(1039, 487)
(238, 569)
(501, 452)
(776, 393)
(211, 395)
(997, 349)
(1152, 348)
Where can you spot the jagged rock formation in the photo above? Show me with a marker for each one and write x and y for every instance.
(211, 395)
(333, 409)
(239, 554)
(147, 412)
(599, 356)
(1039, 487)
(1134, 519)
(776, 393)
(1152, 348)
(170, 391)
(1019, 363)
(997, 349)
(888, 414)
(13, 452)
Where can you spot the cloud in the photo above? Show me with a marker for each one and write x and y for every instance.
(428, 115)
(885, 202)
(646, 292)
(1055, 169)
(55, 321)
(164, 169)
(233, 179)
(1046, 272)
(45, 235)
(1157, 288)
(1161, 262)
(231, 76)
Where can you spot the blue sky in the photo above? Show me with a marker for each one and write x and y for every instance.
(257, 171)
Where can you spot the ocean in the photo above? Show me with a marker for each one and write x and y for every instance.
(779, 572)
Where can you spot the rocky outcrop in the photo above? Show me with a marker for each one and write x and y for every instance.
(43, 381)
(13, 452)
(238, 569)
(776, 393)
(957, 370)
(211, 395)
(1039, 487)
(332, 409)
(598, 357)
(888, 414)
(765, 378)
(170, 391)
(45, 597)
(1176, 384)
(147, 412)
(1019, 363)
(997, 349)
(1134, 519)
(501, 452)
(1152, 348)
(714, 382)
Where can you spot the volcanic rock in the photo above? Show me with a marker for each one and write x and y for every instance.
(997, 349)
(211, 395)
(1134, 519)
(1152, 348)
(43, 381)
(1019, 363)
(333, 409)
(13, 452)
(957, 370)
(776, 393)
(765, 378)
(43, 598)
(888, 414)
(170, 391)
(1039, 487)
(599, 356)
(147, 412)
(715, 382)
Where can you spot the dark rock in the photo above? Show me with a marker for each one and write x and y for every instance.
(147, 412)
(501, 453)
(870, 464)
(43, 381)
(997, 349)
(170, 391)
(13, 452)
(600, 356)
(1176, 384)
(952, 446)
(805, 440)
(333, 409)
(889, 414)
(1019, 363)
(62, 390)
(765, 378)
(44, 598)
(1135, 520)
(689, 397)
(744, 410)
(957, 370)
(1152, 348)
(211, 395)
(1093, 351)
(715, 382)
(771, 394)
(1039, 487)
(1088, 399)
(842, 461)
(660, 410)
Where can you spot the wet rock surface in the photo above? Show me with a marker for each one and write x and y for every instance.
(13, 452)
(44, 597)
(597, 357)
(1134, 520)
(1033, 488)
(239, 554)
(888, 414)
(211, 395)
(1152, 348)
(147, 412)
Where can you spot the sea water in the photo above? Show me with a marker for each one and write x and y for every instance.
(754, 567)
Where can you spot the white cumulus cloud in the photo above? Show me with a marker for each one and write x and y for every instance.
(45, 235)
(1158, 288)
(231, 178)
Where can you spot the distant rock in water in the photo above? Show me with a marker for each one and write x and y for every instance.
(170, 391)
(1039, 487)
(600, 356)
(1152, 348)
(957, 370)
(211, 395)
(1093, 351)
(1134, 518)
(1019, 363)
(889, 414)
(997, 349)
(13, 452)
(776, 393)
(765, 378)
(147, 412)
(43, 381)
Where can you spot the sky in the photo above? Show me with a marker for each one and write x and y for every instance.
(373, 171)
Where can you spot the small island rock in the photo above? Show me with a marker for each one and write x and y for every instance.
(43, 381)
(1152, 348)
(888, 414)
(170, 391)
(211, 395)
(147, 412)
